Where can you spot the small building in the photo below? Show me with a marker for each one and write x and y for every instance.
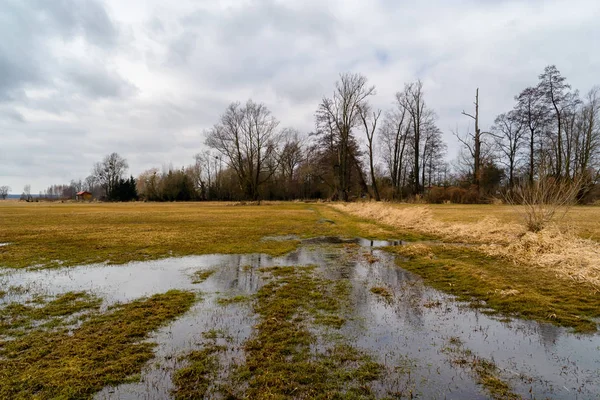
(84, 195)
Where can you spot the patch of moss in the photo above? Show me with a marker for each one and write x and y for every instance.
(107, 349)
(504, 287)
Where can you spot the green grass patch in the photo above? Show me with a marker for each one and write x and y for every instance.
(502, 286)
(107, 349)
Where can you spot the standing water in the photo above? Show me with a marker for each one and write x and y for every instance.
(419, 334)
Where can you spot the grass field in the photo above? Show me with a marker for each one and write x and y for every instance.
(489, 266)
(55, 234)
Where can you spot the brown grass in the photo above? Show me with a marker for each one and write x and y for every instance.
(562, 252)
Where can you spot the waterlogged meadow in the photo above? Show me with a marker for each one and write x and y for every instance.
(309, 309)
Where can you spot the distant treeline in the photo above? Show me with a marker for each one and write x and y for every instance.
(357, 152)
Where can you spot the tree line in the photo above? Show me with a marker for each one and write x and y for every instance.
(356, 151)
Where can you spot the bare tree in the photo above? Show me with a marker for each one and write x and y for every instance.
(532, 112)
(246, 136)
(394, 134)
(434, 150)
(4, 192)
(559, 98)
(509, 137)
(412, 99)
(474, 142)
(336, 117)
(369, 120)
(588, 139)
(291, 153)
(26, 195)
(109, 172)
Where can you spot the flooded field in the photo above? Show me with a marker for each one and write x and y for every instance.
(407, 339)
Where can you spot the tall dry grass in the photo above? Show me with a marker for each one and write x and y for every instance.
(563, 253)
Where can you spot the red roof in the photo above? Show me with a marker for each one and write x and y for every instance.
(82, 193)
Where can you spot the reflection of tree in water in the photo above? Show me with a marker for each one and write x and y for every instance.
(231, 274)
(548, 335)
(411, 294)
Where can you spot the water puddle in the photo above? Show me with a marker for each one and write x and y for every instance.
(359, 241)
(409, 333)
(4, 244)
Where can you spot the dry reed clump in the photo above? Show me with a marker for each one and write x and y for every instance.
(565, 254)
(420, 219)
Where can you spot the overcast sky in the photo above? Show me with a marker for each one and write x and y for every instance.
(83, 78)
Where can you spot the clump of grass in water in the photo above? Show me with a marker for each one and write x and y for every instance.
(485, 371)
(202, 275)
(233, 300)
(193, 381)
(382, 291)
(107, 349)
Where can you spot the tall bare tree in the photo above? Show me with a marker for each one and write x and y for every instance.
(394, 134)
(474, 143)
(588, 139)
(560, 100)
(291, 153)
(509, 137)
(532, 112)
(434, 149)
(412, 99)
(247, 138)
(336, 117)
(369, 121)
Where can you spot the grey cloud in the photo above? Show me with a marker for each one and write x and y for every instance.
(265, 17)
(28, 29)
(12, 115)
(181, 48)
(88, 78)
(97, 81)
(254, 41)
(69, 18)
